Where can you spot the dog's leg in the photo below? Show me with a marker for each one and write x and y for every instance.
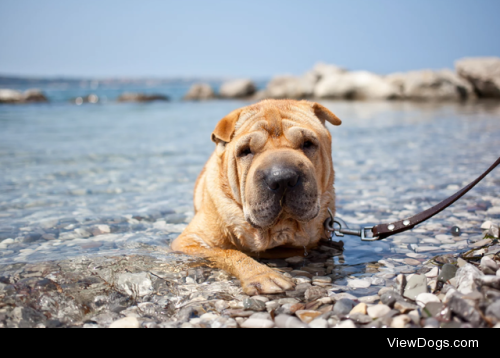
(255, 278)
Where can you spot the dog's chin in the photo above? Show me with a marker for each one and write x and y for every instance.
(313, 214)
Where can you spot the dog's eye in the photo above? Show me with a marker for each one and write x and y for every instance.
(243, 152)
(308, 144)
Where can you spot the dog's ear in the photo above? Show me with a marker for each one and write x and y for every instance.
(324, 114)
(225, 128)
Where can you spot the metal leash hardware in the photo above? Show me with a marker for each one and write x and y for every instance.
(343, 229)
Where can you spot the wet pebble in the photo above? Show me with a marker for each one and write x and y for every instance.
(378, 311)
(314, 293)
(416, 285)
(465, 277)
(250, 304)
(358, 283)
(343, 307)
(425, 298)
(448, 271)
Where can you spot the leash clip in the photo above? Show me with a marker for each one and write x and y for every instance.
(344, 229)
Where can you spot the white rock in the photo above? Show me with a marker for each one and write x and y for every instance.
(378, 311)
(375, 281)
(497, 325)
(127, 322)
(285, 321)
(290, 87)
(319, 323)
(486, 225)
(358, 283)
(426, 248)
(432, 85)
(400, 321)
(465, 279)
(10, 96)
(257, 323)
(486, 261)
(261, 298)
(237, 89)
(135, 284)
(498, 273)
(2, 287)
(432, 273)
(105, 229)
(8, 242)
(495, 210)
(416, 256)
(271, 306)
(208, 317)
(299, 280)
(200, 91)
(483, 73)
(346, 324)
(355, 85)
(424, 298)
(369, 299)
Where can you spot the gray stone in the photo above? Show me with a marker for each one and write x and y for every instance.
(494, 310)
(356, 85)
(141, 97)
(489, 280)
(448, 271)
(286, 321)
(200, 91)
(404, 307)
(425, 298)
(483, 73)
(253, 305)
(135, 284)
(494, 230)
(389, 298)
(432, 85)
(463, 309)
(432, 309)
(283, 87)
(237, 89)
(487, 261)
(466, 278)
(378, 311)
(400, 284)
(314, 293)
(360, 318)
(343, 307)
(416, 285)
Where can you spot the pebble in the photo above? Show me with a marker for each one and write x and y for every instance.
(315, 293)
(378, 311)
(448, 271)
(384, 290)
(346, 324)
(271, 306)
(465, 278)
(432, 273)
(135, 284)
(300, 280)
(360, 308)
(411, 262)
(404, 307)
(433, 309)
(257, 323)
(481, 243)
(322, 279)
(463, 309)
(127, 322)
(376, 281)
(358, 283)
(343, 307)
(319, 323)
(486, 225)
(288, 301)
(494, 310)
(488, 262)
(416, 285)
(390, 297)
(285, 321)
(400, 321)
(400, 284)
(250, 304)
(425, 298)
(307, 316)
(489, 280)
(296, 260)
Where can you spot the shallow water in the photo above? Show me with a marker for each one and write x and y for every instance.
(115, 179)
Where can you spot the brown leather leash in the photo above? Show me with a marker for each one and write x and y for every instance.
(383, 231)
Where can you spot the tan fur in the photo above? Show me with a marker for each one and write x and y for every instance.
(228, 193)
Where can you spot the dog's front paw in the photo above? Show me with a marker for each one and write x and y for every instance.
(266, 283)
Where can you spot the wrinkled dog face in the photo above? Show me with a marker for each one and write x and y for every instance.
(279, 162)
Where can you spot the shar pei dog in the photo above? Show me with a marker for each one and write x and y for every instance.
(265, 191)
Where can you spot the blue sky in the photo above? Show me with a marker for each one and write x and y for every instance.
(234, 38)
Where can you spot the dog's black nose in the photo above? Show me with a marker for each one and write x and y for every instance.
(278, 179)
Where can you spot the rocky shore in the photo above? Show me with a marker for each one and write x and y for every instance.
(474, 78)
(450, 290)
